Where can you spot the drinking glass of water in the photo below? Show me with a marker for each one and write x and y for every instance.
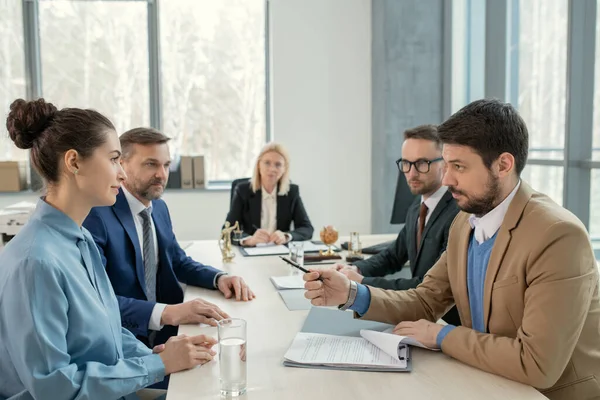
(232, 356)
(237, 236)
(297, 255)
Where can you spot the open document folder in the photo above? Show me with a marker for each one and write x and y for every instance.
(346, 352)
(348, 344)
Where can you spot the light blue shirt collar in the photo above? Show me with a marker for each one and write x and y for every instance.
(58, 220)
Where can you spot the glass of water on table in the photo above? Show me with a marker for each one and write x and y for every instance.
(232, 356)
(297, 255)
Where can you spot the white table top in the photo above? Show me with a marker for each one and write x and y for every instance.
(272, 327)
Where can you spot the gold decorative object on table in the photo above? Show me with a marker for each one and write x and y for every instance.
(329, 235)
(354, 245)
(225, 241)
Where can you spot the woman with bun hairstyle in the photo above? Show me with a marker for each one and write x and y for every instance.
(59, 318)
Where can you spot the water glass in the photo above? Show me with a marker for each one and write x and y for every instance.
(232, 356)
(237, 236)
(297, 255)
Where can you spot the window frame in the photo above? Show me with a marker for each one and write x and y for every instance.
(33, 70)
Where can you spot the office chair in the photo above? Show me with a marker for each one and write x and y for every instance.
(403, 198)
(402, 201)
(234, 183)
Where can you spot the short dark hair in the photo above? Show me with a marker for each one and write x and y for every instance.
(49, 133)
(425, 132)
(143, 136)
(490, 127)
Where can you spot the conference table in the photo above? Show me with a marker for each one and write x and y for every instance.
(271, 328)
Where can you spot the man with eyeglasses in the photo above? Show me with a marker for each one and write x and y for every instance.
(425, 234)
(519, 267)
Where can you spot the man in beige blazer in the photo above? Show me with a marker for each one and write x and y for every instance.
(519, 267)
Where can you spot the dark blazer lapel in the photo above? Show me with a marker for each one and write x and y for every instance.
(437, 211)
(510, 221)
(283, 210)
(255, 204)
(411, 233)
(123, 213)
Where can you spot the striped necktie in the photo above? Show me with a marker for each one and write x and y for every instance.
(150, 264)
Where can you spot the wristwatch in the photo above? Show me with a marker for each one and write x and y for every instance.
(217, 276)
(351, 296)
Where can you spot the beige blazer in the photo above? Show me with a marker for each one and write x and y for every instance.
(541, 304)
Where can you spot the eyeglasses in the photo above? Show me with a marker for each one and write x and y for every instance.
(277, 164)
(421, 166)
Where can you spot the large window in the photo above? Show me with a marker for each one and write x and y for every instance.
(545, 179)
(596, 133)
(542, 88)
(595, 187)
(213, 76)
(201, 80)
(595, 206)
(540, 55)
(95, 55)
(543, 74)
(12, 71)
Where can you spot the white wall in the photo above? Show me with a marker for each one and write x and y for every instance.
(321, 77)
(321, 111)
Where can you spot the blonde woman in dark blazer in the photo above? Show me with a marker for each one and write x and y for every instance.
(267, 204)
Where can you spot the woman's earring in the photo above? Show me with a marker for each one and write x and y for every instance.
(76, 171)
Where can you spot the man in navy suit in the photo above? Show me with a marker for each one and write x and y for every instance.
(140, 252)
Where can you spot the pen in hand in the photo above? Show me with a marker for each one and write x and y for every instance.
(296, 265)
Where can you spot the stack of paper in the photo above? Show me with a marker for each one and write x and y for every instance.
(403, 339)
(288, 282)
(344, 352)
(265, 250)
(271, 249)
(314, 246)
(334, 339)
(341, 330)
(386, 338)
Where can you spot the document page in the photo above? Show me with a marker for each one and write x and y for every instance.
(267, 250)
(310, 247)
(387, 336)
(313, 348)
(288, 282)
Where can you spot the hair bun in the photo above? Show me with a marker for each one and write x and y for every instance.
(27, 120)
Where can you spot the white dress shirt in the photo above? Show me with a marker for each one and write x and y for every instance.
(268, 211)
(487, 226)
(136, 207)
(433, 201)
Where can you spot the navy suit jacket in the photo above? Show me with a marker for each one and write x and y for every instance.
(113, 230)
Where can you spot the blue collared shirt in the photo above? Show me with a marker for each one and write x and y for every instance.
(363, 300)
(59, 319)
